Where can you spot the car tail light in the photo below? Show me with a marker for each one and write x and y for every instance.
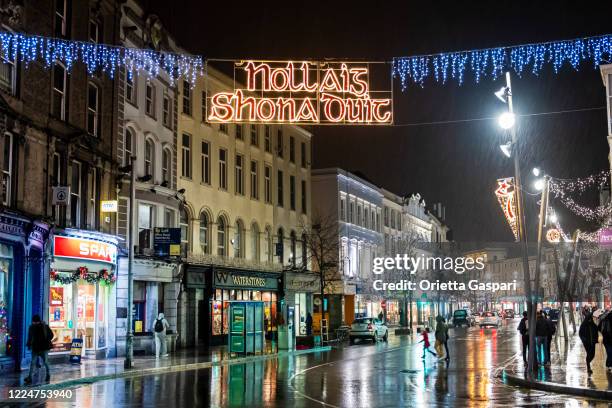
(369, 326)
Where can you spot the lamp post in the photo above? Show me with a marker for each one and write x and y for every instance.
(544, 185)
(507, 121)
(129, 341)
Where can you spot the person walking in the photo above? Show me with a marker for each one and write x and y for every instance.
(524, 331)
(160, 327)
(425, 341)
(605, 327)
(552, 329)
(309, 324)
(590, 337)
(39, 341)
(542, 331)
(441, 333)
(446, 340)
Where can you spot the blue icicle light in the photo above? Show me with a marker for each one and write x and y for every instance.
(99, 57)
(492, 62)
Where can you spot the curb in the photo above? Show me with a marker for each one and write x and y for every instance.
(175, 368)
(556, 387)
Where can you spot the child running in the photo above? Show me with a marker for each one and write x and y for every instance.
(425, 341)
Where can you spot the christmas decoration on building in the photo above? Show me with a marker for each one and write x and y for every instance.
(505, 195)
(553, 235)
(492, 62)
(563, 188)
(99, 57)
(82, 273)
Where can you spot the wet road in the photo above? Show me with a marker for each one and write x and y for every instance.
(364, 375)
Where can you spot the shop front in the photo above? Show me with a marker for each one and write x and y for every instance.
(81, 292)
(299, 290)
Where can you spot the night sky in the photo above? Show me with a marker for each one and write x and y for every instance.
(455, 163)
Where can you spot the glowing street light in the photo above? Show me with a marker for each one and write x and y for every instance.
(553, 218)
(506, 149)
(539, 184)
(536, 172)
(506, 120)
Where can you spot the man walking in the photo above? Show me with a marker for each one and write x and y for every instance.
(552, 329)
(542, 331)
(161, 325)
(39, 341)
(441, 337)
(605, 327)
(524, 331)
(590, 337)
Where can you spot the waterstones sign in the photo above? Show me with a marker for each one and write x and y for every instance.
(237, 280)
(306, 92)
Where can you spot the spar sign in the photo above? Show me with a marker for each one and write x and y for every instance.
(85, 249)
(306, 92)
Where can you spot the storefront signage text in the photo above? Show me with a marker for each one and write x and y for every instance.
(244, 281)
(109, 206)
(79, 248)
(302, 93)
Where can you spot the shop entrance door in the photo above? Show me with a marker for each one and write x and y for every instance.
(202, 312)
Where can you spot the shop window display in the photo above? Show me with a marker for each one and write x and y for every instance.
(5, 268)
(60, 315)
(220, 307)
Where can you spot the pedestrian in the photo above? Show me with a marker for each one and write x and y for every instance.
(425, 341)
(552, 329)
(605, 327)
(160, 327)
(441, 331)
(39, 341)
(590, 337)
(523, 329)
(446, 340)
(542, 331)
(381, 316)
(309, 324)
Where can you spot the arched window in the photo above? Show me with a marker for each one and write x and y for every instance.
(204, 238)
(304, 251)
(128, 146)
(255, 242)
(166, 166)
(149, 157)
(221, 236)
(293, 248)
(281, 244)
(185, 233)
(269, 252)
(239, 240)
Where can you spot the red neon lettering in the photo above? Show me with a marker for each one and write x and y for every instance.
(286, 105)
(344, 74)
(307, 112)
(252, 72)
(266, 113)
(242, 102)
(305, 82)
(359, 87)
(283, 75)
(354, 109)
(330, 82)
(377, 104)
(221, 107)
(327, 100)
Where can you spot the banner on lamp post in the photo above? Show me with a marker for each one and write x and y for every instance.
(506, 197)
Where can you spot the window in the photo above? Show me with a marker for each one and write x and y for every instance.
(304, 196)
(149, 157)
(7, 169)
(303, 155)
(223, 169)
(58, 103)
(366, 218)
(92, 109)
(186, 156)
(378, 221)
(392, 218)
(203, 108)
(255, 242)
(145, 225)
(166, 166)
(281, 246)
(304, 251)
(268, 184)
(358, 215)
(254, 181)
(168, 218)
(186, 98)
(92, 191)
(185, 233)
(293, 248)
(267, 141)
(128, 143)
(351, 211)
(239, 240)
(292, 192)
(221, 234)
(61, 18)
(167, 112)
(239, 182)
(130, 87)
(279, 143)
(150, 100)
(386, 217)
(280, 188)
(223, 128)
(254, 136)
(269, 251)
(75, 195)
(373, 224)
(204, 241)
(94, 31)
(205, 162)
(342, 209)
(239, 135)
(55, 180)
(291, 149)
(7, 75)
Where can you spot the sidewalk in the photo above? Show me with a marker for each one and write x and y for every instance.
(90, 371)
(567, 372)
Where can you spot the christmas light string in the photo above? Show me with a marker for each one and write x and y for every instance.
(493, 62)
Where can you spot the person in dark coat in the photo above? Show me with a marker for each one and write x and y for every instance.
(552, 329)
(524, 331)
(542, 333)
(605, 327)
(589, 335)
(39, 341)
(309, 324)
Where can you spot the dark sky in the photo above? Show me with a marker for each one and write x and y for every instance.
(457, 163)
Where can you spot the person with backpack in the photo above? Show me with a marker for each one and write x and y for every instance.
(590, 337)
(39, 341)
(160, 327)
(524, 331)
(605, 327)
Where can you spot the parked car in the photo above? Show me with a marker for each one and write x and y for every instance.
(489, 319)
(508, 314)
(463, 317)
(368, 328)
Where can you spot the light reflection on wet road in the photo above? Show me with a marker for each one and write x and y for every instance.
(364, 375)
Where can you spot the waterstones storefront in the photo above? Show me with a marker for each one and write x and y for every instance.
(81, 292)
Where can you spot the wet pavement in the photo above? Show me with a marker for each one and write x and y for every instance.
(364, 375)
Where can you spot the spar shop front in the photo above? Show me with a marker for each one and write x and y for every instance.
(82, 293)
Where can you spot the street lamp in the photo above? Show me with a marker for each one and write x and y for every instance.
(506, 120)
(539, 184)
(506, 149)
